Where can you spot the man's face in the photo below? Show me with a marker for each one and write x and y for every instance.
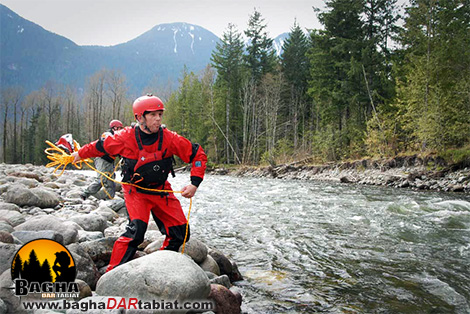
(152, 120)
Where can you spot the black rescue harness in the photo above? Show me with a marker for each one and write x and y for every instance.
(151, 169)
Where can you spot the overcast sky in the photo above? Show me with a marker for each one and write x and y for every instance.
(110, 22)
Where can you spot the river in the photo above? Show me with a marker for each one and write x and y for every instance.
(307, 247)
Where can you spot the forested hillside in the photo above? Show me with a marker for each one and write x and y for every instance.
(369, 83)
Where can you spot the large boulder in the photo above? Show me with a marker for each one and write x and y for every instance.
(195, 249)
(225, 300)
(68, 229)
(22, 196)
(6, 237)
(224, 263)
(86, 269)
(26, 236)
(6, 226)
(90, 222)
(7, 253)
(209, 264)
(9, 206)
(99, 250)
(12, 303)
(163, 275)
(13, 217)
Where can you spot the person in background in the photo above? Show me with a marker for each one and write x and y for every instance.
(104, 164)
(147, 151)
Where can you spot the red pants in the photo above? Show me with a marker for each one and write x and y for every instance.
(167, 213)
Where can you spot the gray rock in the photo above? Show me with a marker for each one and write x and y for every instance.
(5, 226)
(79, 183)
(4, 187)
(26, 174)
(47, 311)
(99, 250)
(26, 236)
(211, 275)
(73, 194)
(209, 264)
(11, 216)
(195, 249)
(6, 237)
(29, 183)
(84, 235)
(13, 303)
(150, 237)
(22, 196)
(9, 206)
(224, 263)
(67, 229)
(221, 280)
(114, 231)
(107, 213)
(117, 204)
(235, 275)
(90, 222)
(7, 253)
(48, 198)
(154, 246)
(52, 185)
(161, 275)
(85, 290)
(86, 269)
(3, 307)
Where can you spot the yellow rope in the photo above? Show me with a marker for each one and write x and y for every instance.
(60, 159)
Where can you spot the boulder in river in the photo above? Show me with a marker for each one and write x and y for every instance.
(68, 229)
(162, 275)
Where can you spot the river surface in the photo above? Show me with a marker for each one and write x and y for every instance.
(306, 247)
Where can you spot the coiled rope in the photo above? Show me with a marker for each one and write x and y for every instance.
(62, 159)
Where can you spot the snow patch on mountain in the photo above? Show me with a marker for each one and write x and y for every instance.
(175, 30)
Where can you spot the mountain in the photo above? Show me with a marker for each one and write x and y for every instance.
(31, 56)
(278, 42)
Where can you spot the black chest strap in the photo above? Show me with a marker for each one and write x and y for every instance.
(139, 140)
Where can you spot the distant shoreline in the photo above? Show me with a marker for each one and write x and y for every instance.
(400, 172)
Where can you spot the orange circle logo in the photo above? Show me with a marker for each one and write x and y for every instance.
(43, 260)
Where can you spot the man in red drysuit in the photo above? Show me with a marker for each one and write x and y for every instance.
(147, 151)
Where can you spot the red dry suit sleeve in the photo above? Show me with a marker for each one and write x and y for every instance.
(89, 151)
(117, 144)
(189, 153)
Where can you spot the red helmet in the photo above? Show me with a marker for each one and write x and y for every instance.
(115, 123)
(147, 103)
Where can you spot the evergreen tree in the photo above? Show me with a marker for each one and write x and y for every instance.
(433, 95)
(32, 268)
(227, 59)
(46, 272)
(295, 68)
(336, 82)
(260, 57)
(17, 267)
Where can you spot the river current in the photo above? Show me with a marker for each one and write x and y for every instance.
(306, 246)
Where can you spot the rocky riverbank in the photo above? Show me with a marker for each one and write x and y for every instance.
(430, 173)
(36, 204)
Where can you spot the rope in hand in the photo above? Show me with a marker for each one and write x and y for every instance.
(62, 159)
